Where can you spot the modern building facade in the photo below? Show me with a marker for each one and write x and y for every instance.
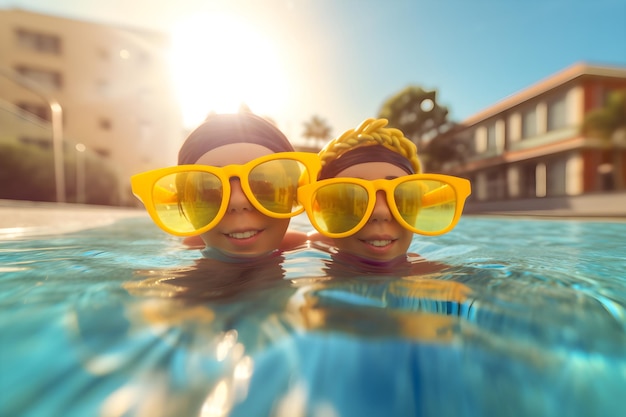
(112, 84)
(527, 151)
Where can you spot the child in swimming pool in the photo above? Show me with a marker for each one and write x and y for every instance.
(235, 187)
(371, 196)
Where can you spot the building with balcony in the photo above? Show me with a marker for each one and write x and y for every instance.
(527, 152)
(112, 84)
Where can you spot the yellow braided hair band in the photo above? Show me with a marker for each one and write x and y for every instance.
(371, 132)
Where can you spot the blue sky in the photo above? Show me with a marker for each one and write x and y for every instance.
(340, 59)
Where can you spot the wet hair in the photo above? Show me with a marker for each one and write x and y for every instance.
(223, 129)
(387, 145)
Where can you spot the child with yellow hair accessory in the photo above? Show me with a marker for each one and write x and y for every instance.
(371, 195)
(371, 132)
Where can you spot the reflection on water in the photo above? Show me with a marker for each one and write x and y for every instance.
(501, 317)
(210, 279)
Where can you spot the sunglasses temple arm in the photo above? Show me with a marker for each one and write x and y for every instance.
(161, 195)
(441, 195)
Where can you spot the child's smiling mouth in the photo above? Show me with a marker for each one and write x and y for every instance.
(379, 243)
(243, 235)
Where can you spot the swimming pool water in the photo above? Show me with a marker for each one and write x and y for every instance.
(526, 318)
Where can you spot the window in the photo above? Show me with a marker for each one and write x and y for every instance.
(103, 53)
(480, 141)
(557, 114)
(103, 88)
(40, 110)
(43, 143)
(40, 42)
(104, 123)
(105, 153)
(44, 78)
(529, 124)
(528, 181)
(540, 180)
(496, 185)
(491, 137)
(556, 177)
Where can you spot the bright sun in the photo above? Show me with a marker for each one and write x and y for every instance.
(218, 64)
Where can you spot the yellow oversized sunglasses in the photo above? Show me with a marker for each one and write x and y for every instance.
(189, 200)
(427, 204)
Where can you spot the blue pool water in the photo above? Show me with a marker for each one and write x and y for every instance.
(523, 317)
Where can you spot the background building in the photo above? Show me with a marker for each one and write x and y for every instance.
(528, 151)
(113, 86)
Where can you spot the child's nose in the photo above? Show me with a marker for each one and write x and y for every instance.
(238, 200)
(381, 210)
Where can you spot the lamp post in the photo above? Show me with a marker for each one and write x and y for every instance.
(80, 173)
(57, 146)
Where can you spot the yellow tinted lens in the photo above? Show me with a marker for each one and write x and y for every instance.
(433, 204)
(339, 208)
(274, 185)
(187, 201)
(408, 199)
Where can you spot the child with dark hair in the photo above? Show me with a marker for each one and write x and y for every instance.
(235, 187)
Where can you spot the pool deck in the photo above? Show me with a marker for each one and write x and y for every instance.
(591, 206)
(28, 218)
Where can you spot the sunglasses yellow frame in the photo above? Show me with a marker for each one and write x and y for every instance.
(145, 188)
(452, 190)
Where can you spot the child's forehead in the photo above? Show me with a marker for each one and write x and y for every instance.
(372, 171)
(233, 154)
(362, 155)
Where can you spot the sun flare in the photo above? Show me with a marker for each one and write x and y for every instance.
(219, 63)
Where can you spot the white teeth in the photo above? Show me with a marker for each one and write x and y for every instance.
(243, 235)
(379, 242)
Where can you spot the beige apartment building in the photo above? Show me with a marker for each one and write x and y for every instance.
(527, 152)
(112, 86)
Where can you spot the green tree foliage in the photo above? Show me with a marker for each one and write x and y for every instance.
(316, 128)
(609, 123)
(606, 121)
(27, 173)
(101, 182)
(415, 112)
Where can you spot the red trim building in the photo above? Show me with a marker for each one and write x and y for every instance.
(527, 151)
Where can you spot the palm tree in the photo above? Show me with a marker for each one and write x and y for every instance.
(317, 129)
(609, 124)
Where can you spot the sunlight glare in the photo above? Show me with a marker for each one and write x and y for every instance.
(218, 64)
